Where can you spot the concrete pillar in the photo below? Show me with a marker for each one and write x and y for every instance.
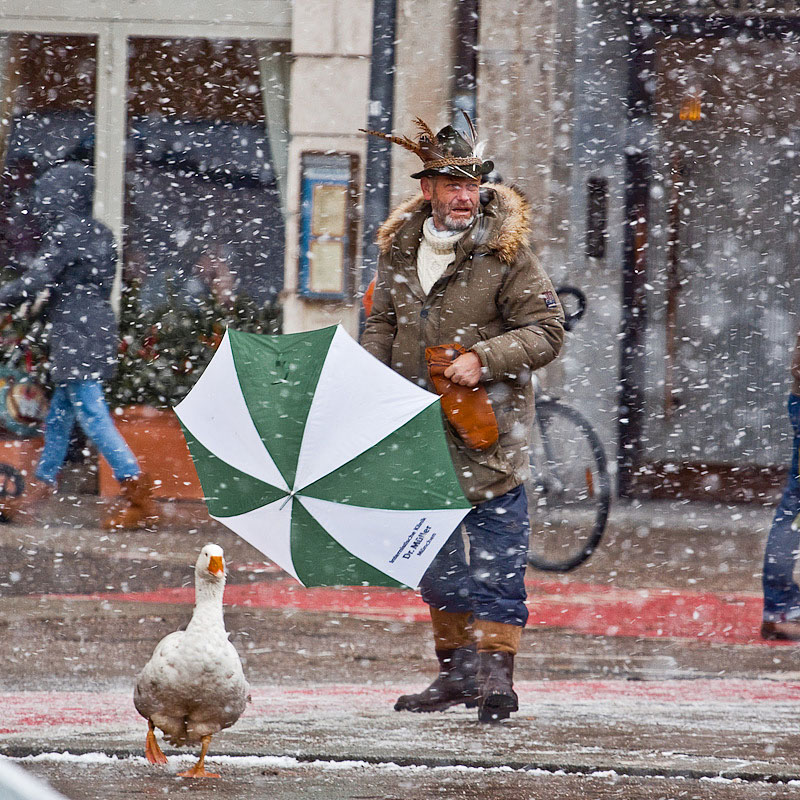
(423, 80)
(516, 60)
(110, 135)
(331, 43)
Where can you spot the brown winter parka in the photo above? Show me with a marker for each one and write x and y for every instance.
(495, 299)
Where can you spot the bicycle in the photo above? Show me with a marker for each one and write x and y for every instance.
(569, 491)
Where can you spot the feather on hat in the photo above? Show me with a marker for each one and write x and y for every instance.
(444, 153)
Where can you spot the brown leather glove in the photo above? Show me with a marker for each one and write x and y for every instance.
(468, 409)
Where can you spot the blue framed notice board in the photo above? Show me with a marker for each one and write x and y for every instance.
(327, 225)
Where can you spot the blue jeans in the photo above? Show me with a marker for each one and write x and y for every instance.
(83, 401)
(781, 592)
(492, 585)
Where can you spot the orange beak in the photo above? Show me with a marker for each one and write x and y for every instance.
(216, 566)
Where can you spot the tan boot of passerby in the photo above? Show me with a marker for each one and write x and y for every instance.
(136, 508)
(23, 507)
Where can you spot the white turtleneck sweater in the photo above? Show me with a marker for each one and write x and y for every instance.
(435, 254)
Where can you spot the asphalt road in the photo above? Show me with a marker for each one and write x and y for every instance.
(641, 676)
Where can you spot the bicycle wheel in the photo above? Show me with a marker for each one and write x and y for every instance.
(569, 491)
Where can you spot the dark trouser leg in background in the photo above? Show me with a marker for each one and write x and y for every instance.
(781, 617)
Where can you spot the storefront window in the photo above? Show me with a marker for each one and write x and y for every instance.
(46, 116)
(203, 214)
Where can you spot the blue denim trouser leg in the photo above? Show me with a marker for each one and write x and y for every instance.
(83, 401)
(781, 592)
(492, 585)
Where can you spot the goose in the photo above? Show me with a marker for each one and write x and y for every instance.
(193, 685)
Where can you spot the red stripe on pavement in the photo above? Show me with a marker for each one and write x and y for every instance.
(374, 601)
(25, 712)
(649, 613)
(592, 609)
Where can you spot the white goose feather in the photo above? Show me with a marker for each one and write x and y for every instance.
(193, 685)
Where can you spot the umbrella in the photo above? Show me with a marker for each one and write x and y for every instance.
(323, 458)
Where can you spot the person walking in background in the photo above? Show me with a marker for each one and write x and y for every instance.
(462, 306)
(76, 265)
(781, 617)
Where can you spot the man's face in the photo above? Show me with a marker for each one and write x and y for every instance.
(454, 201)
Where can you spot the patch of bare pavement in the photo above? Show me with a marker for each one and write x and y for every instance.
(642, 677)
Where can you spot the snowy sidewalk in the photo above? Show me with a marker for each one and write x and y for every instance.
(701, 728)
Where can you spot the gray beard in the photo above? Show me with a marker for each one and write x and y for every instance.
(458, 224)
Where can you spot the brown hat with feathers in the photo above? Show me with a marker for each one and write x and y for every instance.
(444, 153)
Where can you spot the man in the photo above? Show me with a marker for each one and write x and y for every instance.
(458, 283)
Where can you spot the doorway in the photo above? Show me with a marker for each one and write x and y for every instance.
(718, 268)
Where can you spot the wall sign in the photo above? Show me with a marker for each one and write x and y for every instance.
(327, 224)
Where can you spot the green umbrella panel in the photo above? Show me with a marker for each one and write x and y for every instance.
(327, 461)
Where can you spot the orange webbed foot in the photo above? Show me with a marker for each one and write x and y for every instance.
(151, 749)
(199, 769)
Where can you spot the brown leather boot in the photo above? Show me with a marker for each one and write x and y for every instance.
(454, 642)
(787, 631)
(137, 508)
(455, 683)
(24, 507)
(495, 677)
(498, 643)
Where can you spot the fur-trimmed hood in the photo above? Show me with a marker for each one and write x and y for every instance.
(506, 210)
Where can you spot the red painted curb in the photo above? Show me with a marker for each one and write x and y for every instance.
(592, 609)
